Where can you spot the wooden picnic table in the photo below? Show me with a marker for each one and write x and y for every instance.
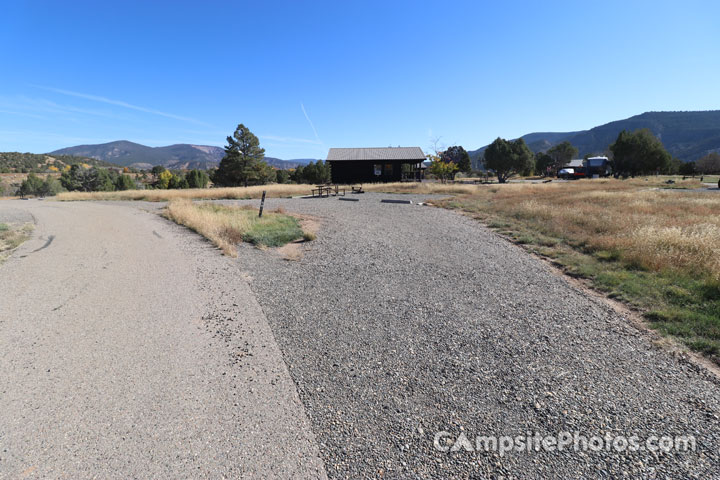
(321, 190)
(326, 189)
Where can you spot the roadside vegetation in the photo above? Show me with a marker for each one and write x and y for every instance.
(11, 236)
(230, 193)
(291, 189)
(228, 225)
(657, 250)
(273, 190)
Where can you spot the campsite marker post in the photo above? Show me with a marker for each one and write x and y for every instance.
(262, 204)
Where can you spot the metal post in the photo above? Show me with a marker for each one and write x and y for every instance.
(262, 204)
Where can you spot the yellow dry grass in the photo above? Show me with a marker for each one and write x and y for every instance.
(422, 188)
(228, 225)
(277, 190)
(652, 228)
(273, 190)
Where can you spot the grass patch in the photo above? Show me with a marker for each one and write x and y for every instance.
(276, 231)
(226, 225)
(657, 250)
(12, 236)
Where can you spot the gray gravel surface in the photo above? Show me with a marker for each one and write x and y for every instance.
(130, 348)
(402, 321)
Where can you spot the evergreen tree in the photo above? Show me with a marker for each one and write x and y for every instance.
(282, 176)
(197, 179)
(561, 154)
(243, 160)
(639, 152)
(508, 158)
(459, 156)
(124, 182)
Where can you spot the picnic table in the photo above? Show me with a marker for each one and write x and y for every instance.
(326, 189)
(321, 191)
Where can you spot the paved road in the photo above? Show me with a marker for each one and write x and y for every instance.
(113, 365)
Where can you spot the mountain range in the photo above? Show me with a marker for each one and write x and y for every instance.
(686, 135)
(179, 156)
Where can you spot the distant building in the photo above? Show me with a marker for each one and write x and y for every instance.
(575, 163)
(367, 165)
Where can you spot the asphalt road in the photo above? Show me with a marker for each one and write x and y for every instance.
(112, 364)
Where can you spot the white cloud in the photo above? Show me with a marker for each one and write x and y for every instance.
(119, 103)
(311, 123)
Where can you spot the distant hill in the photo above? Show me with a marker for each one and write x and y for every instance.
(686, 135)
(127, 153)
(179, 156)
(16, 162)
(286, 164)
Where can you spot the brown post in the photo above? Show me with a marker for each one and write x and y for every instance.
(262, 204)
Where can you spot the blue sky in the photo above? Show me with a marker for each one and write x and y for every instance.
(306, 76)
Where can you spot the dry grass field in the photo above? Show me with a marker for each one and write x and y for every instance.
(291, 190)
(232, 193)
(243, 193)
(657, 249)
(226, 226)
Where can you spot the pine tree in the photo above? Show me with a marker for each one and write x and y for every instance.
(242, 161)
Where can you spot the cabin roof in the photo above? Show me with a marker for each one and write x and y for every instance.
(384, 153)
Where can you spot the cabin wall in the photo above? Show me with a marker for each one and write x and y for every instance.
(364, 171)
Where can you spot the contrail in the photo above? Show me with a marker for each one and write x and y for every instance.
(119, 103)
(310, 122)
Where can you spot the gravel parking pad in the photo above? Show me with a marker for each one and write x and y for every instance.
(402, 321)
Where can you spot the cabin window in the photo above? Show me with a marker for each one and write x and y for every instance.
(388, 169)
(377, 168)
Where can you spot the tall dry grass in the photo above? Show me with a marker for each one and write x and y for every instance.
(273, 190)
(651, 228)
(234, 193)
(228, 225)
(422, 188)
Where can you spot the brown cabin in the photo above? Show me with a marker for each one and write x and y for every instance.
(369, 165)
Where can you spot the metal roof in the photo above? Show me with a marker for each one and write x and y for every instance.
(387, 153)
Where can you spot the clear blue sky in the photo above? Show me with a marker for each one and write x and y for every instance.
(306, 76)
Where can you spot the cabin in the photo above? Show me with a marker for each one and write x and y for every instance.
(369, 165)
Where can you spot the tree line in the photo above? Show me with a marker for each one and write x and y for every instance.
(633, 153)
(78, 178)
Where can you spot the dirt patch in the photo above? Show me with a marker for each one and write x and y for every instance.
(293, 252)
